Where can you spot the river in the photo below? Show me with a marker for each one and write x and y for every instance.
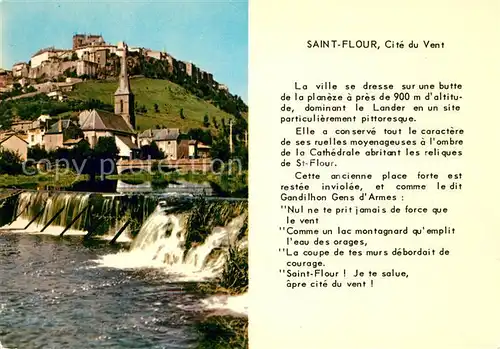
(69, 292)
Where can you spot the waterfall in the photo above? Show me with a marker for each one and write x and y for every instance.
(104, 214)
(43, 206)
(162, 243)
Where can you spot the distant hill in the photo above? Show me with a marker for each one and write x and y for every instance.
(169, 97)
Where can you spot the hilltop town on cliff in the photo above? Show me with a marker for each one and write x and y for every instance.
(92, 57)
(54, 71)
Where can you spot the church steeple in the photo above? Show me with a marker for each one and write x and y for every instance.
(124, 98)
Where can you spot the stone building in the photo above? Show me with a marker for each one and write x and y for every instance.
(181, 67)
(20, 70)
(59, 133)
(222, 87)
(21, 125)
(193, 71)
(82, 40)
(37, 131)
(192, 149)
(98, 123)
(166, 139)
(172, 63)
(86, 68)
(47, 54)
(159, 55)
(5, 78)
(96, 54)
(16, 143)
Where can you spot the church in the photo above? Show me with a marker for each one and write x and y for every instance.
(120, 124)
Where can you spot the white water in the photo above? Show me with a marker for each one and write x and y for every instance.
(2, 347)
(222, 305)
(161, 244)
(71, 205)
(19, 225)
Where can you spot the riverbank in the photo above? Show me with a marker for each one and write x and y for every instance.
(227, 327)
(198, 246)
(223, 332)
(46, 180)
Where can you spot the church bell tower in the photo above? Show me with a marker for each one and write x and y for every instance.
(124, 98)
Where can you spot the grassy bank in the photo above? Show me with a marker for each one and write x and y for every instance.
(226, 332)
(223, 332)
(39, 181)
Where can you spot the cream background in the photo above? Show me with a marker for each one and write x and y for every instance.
(450, 302)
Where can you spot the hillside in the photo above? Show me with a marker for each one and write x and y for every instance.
(169, 97)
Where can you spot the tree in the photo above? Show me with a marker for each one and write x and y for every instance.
(157, 109)
(106, 148)
(151, 151)
(201, 135)
(10, 162)
(80, 155)
(182, 113)
(37, 153)
(214, 122)
(206, 121)
(103, 158)
(220, 150)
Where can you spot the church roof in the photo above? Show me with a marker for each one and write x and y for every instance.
(64, 125)
(100, 120)
(128, 142)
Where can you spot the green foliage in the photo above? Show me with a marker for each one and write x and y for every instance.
(223, 332)
(206, 121)
(231, 182)
(70, 73)
(151, 152)
(84, 160)
(10, 162)
(106, 148)
(30, 108)
(169, 96)
(198, 134)
(151, 68)
(72, 132)
(37, 153)
(140, 109)
(204, 216)
(235, 274)
(215, 123)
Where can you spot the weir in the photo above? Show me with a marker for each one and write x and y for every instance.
(94, 214)
(190, 239)
(62, 213)
(189, 242)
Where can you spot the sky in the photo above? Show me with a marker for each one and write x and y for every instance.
(211, 34)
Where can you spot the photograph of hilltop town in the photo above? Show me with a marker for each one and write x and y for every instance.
(123, 179)
(62, 98)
